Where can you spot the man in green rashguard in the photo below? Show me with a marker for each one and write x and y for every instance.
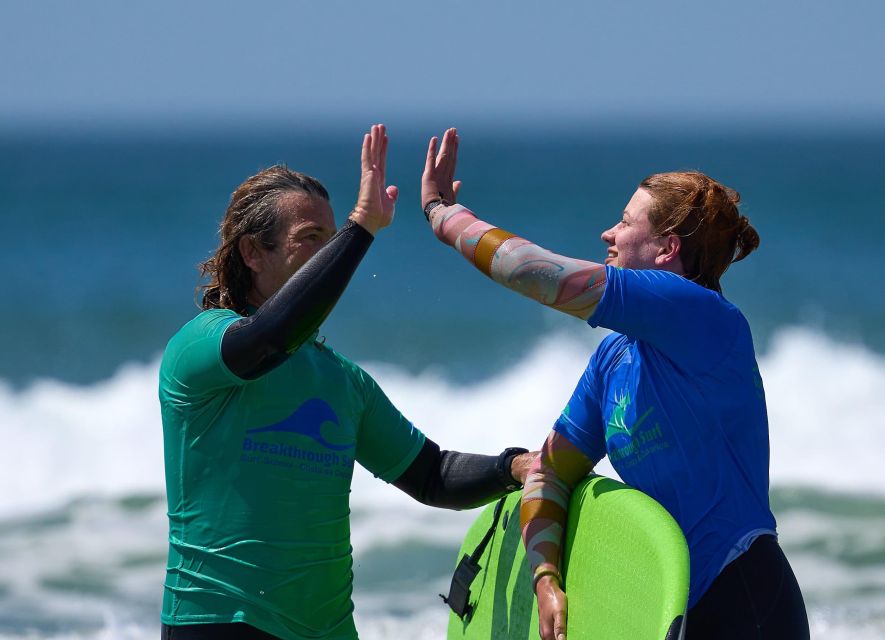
(262, 424)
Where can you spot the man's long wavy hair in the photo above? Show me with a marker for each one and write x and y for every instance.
(704, 214)
(253, 211)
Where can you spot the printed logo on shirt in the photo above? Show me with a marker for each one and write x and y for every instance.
(617, 424)
(626, 443)
(307, 420)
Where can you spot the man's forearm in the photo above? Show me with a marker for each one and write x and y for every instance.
(566, 284)
(455, 480)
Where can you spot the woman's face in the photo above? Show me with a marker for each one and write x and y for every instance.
(632, 244)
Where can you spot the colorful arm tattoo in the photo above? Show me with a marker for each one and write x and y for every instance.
(545, 498)
(566, 284)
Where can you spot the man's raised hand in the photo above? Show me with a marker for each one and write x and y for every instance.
(376, 202)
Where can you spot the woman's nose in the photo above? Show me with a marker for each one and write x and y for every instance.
(608, 236)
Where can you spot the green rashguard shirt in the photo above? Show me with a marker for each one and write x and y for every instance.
(258, 476)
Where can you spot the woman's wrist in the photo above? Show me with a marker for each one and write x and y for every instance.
(544, 575)
(433, 204)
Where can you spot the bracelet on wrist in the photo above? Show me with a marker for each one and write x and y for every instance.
(433, 204)
(542, 571)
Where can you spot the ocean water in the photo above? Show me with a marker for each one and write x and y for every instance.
(103, 232)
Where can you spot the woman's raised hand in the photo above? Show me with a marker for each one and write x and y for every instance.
(438, 180)
(376, 202)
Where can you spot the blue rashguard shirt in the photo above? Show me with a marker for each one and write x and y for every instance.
(674, 398)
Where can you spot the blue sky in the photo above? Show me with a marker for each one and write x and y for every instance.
(812, 60)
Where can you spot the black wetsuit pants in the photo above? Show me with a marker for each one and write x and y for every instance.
(756, 597)
(228, 631)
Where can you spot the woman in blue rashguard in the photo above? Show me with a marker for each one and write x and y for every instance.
(673, 397)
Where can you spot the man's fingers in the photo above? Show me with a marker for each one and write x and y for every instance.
(384, 143)
(382, 159)
(382, 138)
(376, 144)
(393, 192)
(364, 158)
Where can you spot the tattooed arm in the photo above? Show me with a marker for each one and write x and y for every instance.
(567, 284)
(543, 515)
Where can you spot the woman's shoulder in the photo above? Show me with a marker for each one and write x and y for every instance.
(609, 350)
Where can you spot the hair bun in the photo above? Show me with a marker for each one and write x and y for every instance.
(747, 239)
(735, 199)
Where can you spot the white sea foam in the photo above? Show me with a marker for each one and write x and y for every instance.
(826, 404)
(826, 409)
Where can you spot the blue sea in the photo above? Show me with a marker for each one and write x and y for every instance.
(104, 227)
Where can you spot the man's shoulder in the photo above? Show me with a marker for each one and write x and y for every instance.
(211, 322)
(325, 353)
(206, 323)
(353, 372)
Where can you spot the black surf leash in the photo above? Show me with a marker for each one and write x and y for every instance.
(467, 570)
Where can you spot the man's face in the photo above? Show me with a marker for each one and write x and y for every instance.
(631, 242)
(307, 224)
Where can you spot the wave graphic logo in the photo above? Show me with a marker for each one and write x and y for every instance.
(307, 420)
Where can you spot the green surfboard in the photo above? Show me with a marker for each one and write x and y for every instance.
(625, 568)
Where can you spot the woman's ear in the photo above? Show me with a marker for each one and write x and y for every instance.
(252, 255)
(669, 252)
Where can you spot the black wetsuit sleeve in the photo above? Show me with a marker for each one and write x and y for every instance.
(454, 480)
(254, 345)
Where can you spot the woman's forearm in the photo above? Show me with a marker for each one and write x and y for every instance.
(543, 512)
(566, 284)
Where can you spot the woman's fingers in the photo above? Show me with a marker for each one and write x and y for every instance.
(430, 163)
(559, 620)
(453, 157)
(448, 155)
(552, 609)
(439, 168)
(445, 149)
